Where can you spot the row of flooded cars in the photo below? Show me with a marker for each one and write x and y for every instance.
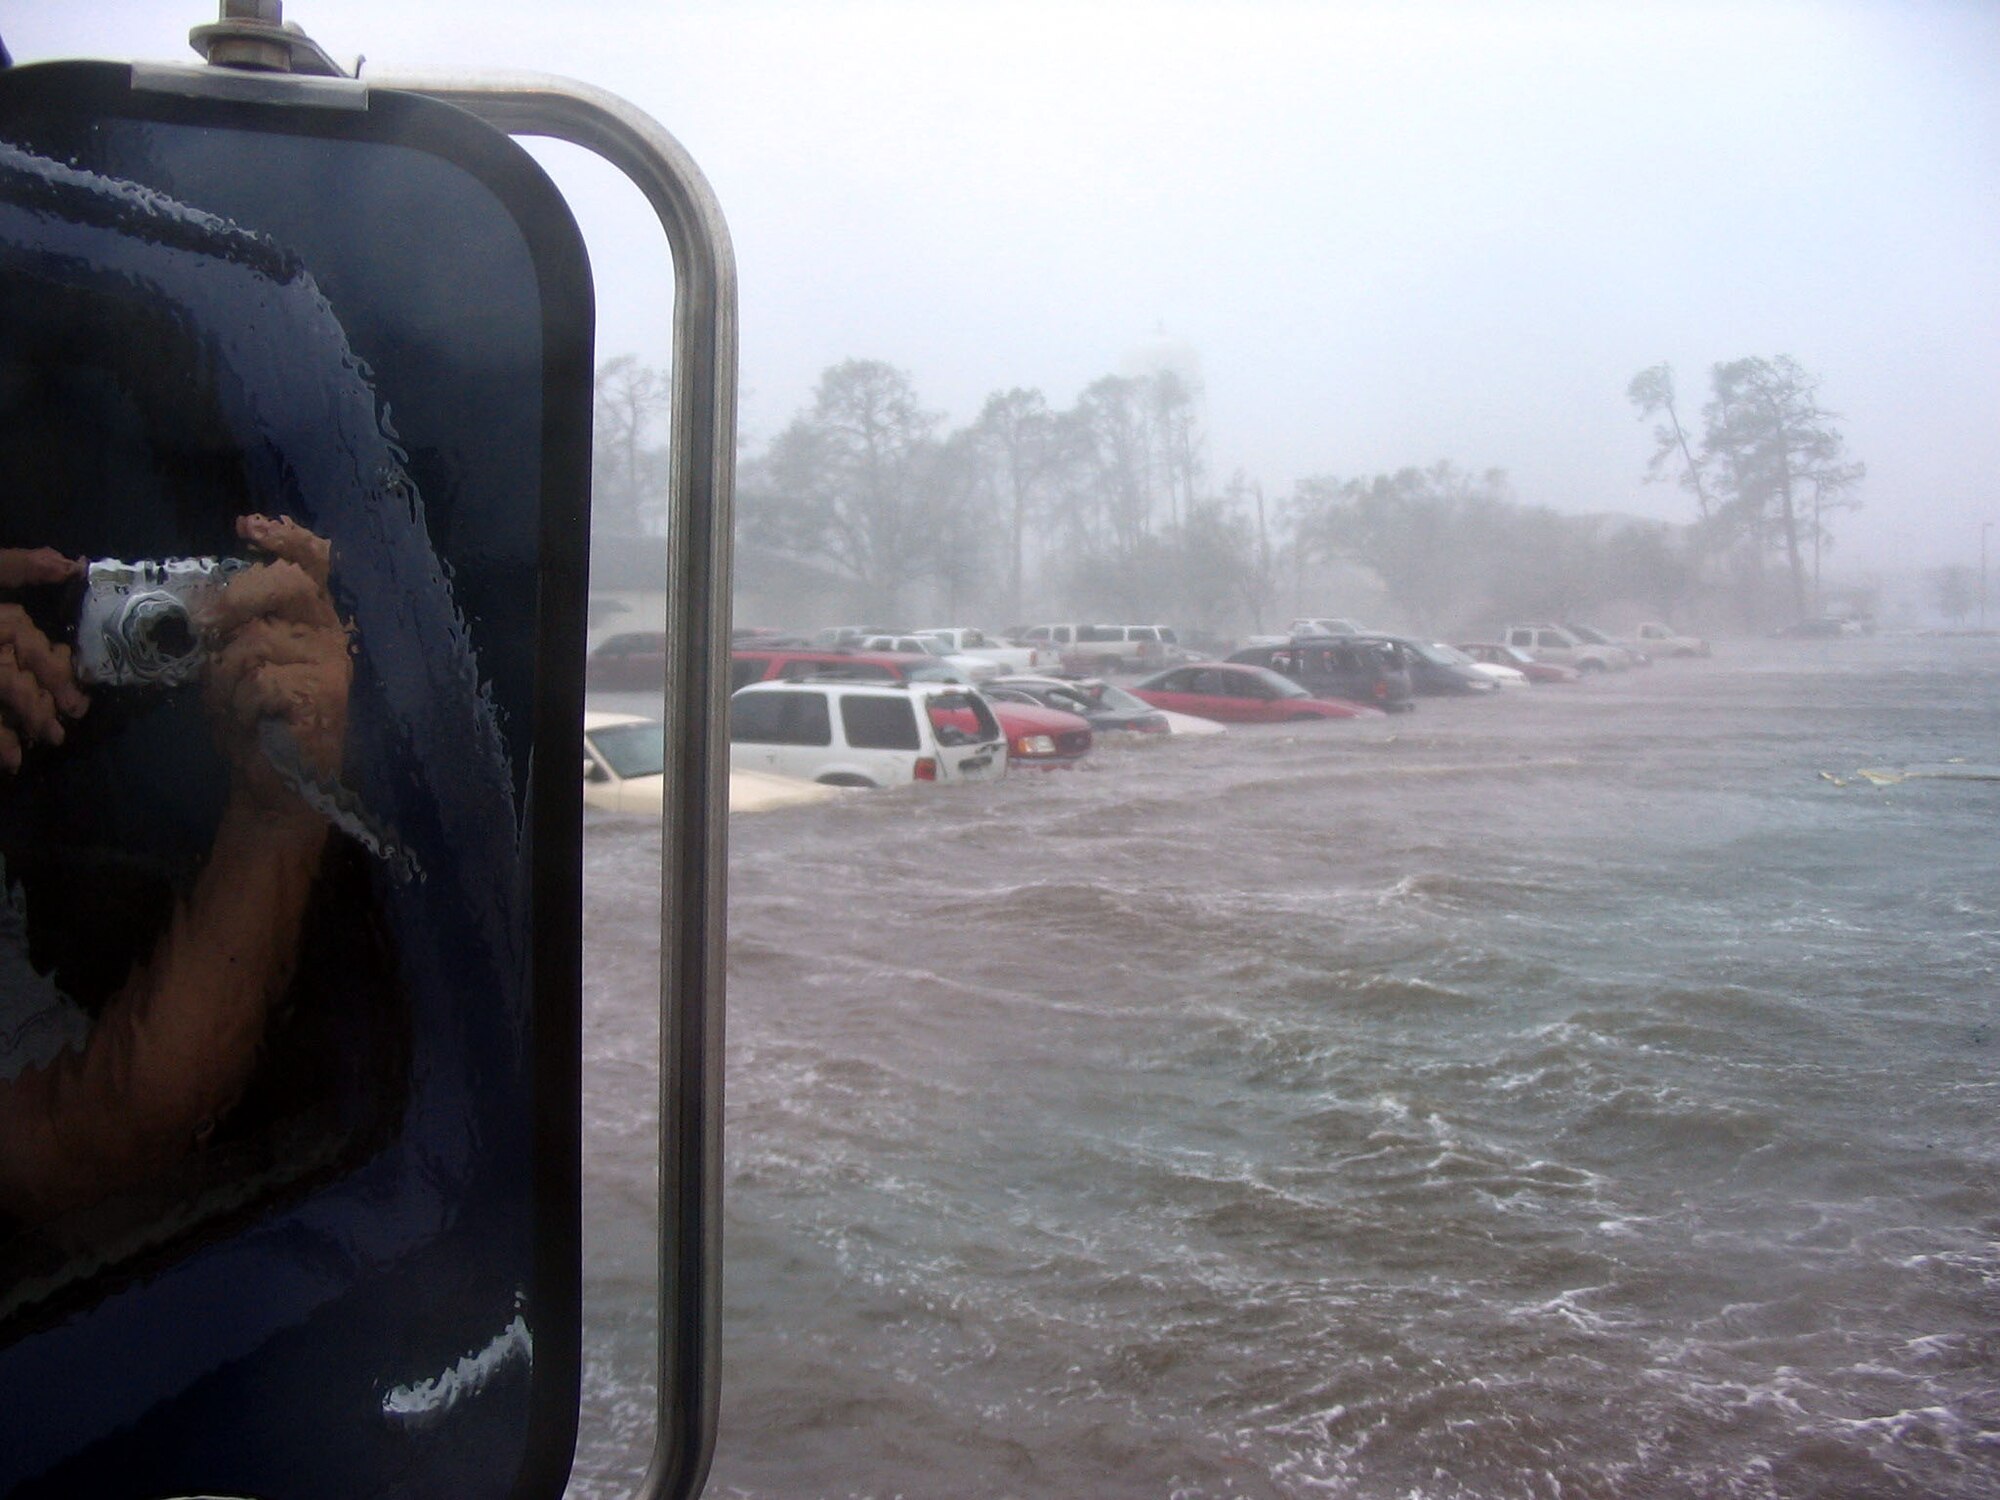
(810, 719)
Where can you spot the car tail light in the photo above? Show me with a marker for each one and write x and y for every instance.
(926, 769)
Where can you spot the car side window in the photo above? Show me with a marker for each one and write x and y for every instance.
(872, 723)
(780, 719)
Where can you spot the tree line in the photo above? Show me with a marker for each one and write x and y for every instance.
(869, 504)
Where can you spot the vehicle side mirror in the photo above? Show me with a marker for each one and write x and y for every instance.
(318, 1228)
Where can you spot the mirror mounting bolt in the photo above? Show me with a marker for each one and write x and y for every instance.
(254, 34)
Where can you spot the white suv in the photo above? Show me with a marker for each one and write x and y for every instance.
(1108, 648)
(847, 733)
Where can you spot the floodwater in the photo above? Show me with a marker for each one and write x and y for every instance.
(1564, 1093)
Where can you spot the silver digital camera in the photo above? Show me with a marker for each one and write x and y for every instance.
(139, 624)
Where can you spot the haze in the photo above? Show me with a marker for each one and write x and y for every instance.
(1392, 235)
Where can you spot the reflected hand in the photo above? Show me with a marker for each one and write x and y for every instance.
(278, 651)
(38, 687)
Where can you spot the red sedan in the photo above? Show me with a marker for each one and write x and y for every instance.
(1507, 656)
(1242, 694)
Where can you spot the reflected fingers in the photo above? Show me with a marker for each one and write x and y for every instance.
(288, 541)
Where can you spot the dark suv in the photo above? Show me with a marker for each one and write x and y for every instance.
(1358, 670)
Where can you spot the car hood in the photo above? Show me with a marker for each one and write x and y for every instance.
(1029, 718)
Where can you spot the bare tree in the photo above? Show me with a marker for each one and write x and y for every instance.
(632, 407)
(1022, 448)
(852, 475)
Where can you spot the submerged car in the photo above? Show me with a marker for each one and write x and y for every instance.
(1590, 635)
(1111, 696)
(632, 659)
(787, 664)
(1502, 674)
(1552, 643)
(1659, 639)
(1041, 736)
(1330, 666)
(623, 759)
(1520, 661)
(1108, 710)
(1433, 671)
(1237, 692)
(970, 668)
(872, 734)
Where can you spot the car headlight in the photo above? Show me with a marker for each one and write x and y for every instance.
(1035, 744)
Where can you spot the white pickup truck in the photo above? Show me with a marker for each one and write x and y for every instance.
(1547, 642)
(1664, 640)
(963, 640)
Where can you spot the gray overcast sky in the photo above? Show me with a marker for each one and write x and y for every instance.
(1392, 233)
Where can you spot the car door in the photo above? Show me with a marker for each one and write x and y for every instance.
(1252, 700)
(790, 733)
(970, 743)
(1174, 692)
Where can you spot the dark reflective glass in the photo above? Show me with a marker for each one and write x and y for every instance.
(288, 917)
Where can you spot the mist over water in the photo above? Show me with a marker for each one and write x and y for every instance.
(1567, 1092)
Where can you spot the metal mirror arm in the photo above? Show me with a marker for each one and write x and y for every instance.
(693, 855)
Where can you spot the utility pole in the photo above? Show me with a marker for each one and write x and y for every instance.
(1984, 527)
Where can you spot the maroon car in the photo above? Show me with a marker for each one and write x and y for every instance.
(1242, 694)
(633, 659)
(760, 664)
(1507, 656)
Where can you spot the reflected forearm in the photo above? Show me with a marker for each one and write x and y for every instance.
(176, 1046)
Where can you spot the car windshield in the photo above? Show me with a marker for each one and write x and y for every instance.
(1110, 695)
(1589, 633)
(1435, 655)
(1451, 654)
(632, 749)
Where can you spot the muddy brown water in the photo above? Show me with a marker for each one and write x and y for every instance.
(1565, 1093)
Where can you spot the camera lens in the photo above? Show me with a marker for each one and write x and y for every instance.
(156, 635)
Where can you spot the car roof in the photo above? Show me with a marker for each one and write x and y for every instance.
(852, 685)
(1218, 666)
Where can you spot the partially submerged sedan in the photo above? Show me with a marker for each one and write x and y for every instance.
(1108, 710)
(1520, 661)
(624, 757)
(1241, 694)
(1039, 736)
